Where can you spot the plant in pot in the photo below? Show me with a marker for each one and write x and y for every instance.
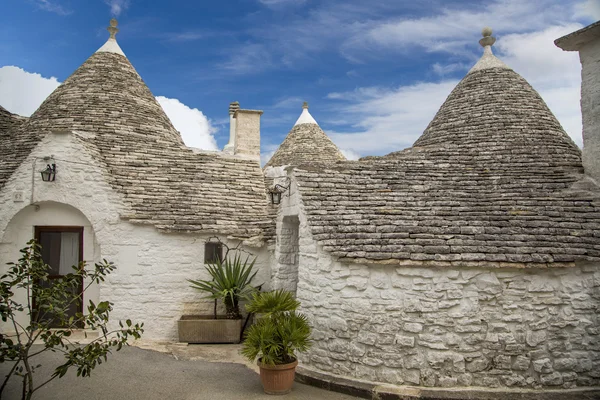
(274, 339)
(231, 282)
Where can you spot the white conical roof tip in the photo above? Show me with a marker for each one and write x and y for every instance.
(111, 45)
(488, 60)
(305, 117)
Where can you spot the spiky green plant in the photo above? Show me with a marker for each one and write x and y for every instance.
(231, 282)
(279, 332)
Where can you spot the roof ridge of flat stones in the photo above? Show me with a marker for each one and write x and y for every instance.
(305, 143)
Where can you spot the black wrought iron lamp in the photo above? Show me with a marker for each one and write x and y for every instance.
(49, 173)
(275, 192)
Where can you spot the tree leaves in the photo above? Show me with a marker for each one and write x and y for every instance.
(55, 300)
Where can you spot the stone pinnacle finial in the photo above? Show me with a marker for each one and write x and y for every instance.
(305, 105)
(487, 39)
(113, 28)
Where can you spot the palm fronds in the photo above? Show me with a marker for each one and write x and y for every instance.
(271, 302)
(231, 281)
(279, 332)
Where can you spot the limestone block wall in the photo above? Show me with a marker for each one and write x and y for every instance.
(149, 284)
(285, 273)
(470, 327)
(506, 328)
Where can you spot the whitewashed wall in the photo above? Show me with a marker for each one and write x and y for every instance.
(149, 284)
(440, 327)
(590, 98)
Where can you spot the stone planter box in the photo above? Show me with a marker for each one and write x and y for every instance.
(206, 329)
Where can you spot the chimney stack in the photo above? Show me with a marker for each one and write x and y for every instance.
(587, 42)
(229, 147)
(247, 133)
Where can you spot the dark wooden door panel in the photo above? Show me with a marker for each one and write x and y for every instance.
(62, 248)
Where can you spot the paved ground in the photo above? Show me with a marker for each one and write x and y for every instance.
(142, 374)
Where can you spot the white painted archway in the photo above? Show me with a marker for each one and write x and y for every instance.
(21, 229)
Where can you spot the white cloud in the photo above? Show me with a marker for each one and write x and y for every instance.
(589, 8)
(248, 59)
(388, 119)
(350, 154)
(276, 3)
(22, 92)
(195, 128)
(451, 30)
(187, 36)
(53, 7)
(293, 102)
(117, 6)
(448, 69)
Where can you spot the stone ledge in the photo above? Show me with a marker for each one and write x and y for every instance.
(367, 390)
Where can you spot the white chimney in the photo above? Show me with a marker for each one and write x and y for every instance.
(229, 147)
(587, 42)
(247, 133)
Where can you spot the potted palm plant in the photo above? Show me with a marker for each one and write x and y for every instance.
(231, 282)
(274, 339)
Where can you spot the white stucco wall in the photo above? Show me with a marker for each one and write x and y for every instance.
(589, 55)
(149, 284)
(448, 327)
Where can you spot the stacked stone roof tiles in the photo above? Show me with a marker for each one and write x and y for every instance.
(9, 120)
(491, 182)
(13, 148)
(106, 104)
(305, 143)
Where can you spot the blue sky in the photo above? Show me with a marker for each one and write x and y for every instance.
(374, 73)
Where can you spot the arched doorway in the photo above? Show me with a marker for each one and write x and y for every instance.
(67, 238)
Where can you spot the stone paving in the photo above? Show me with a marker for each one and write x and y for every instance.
(163, 372)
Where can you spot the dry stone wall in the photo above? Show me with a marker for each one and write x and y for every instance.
(285, 273)
(448, 327)
(470, 327)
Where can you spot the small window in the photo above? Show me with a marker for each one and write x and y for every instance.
(213, 252)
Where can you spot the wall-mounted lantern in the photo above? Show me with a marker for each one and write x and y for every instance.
(275, 193)
(49, 173)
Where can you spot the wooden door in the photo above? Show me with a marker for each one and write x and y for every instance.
(62, 248)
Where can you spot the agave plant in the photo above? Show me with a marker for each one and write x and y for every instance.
(231, 282)
(279, 332)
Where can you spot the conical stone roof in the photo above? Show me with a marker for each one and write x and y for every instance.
(106, 105)
(8, 121)
(493, 182)
(105, 94)
(305, 143)
(494, 110)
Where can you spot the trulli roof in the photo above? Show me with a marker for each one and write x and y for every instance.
(306, 142)
(8, 121)
(494, 181)
(106, 104)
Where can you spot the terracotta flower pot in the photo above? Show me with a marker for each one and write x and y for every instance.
(277, 379)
